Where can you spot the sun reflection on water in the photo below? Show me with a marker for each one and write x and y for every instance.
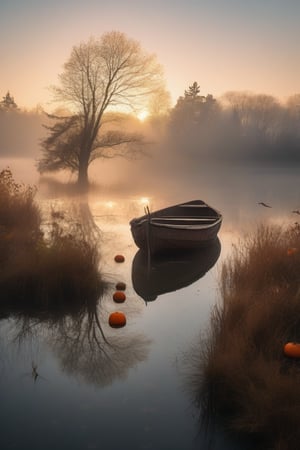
(110, 204)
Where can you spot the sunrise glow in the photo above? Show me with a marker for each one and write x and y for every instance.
(143, 115)
(144, 201)
(110, 204)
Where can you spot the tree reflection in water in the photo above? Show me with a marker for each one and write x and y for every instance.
(82, 342)
(95, 358)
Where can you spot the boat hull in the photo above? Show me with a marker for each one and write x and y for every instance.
(161, 231)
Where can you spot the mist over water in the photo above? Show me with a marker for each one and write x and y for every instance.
(234, 189)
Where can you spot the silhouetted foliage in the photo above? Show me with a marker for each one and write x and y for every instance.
(192, 109)
(193, 90)
(62, 148)
(8, 102)
(191, 120)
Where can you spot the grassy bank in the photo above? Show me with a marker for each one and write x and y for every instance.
(247, 382)
(38, 271)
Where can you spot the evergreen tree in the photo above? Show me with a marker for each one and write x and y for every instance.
(193, 90)
(8, 102)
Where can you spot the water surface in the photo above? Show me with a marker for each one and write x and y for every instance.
(61, 389)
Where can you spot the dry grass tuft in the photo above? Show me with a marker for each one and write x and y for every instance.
(39, 272)
(247, 381)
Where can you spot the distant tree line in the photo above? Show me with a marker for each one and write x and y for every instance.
(240, 125)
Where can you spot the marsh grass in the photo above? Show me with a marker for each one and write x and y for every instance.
(41, 270)
(247, 382)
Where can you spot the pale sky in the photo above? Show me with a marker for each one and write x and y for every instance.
(251, 45)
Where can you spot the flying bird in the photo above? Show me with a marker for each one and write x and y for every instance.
(264, 204)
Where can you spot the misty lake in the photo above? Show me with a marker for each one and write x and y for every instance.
(130, 387)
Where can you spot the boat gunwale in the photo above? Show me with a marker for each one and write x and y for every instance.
(186, 226)
(138, 221)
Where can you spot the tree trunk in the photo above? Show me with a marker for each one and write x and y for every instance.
(83, 181)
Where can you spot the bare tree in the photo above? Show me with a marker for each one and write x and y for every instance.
(258, 114)
(106, 74)
(159, 104)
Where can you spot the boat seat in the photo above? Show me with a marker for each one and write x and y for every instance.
(184, 219)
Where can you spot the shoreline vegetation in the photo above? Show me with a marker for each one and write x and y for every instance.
(247, 385)
(51, 286)
(43, 271)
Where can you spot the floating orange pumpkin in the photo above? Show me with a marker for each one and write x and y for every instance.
(119, 258)
(119, 297)
(117, 319)
(292, 251)
(120, 286)
(292, 349)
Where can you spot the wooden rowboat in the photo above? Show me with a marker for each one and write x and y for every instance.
(189, 225)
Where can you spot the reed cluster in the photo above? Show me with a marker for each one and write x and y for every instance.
(247, 382)
(38, 269)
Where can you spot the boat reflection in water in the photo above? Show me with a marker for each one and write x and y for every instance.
(170, 272)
